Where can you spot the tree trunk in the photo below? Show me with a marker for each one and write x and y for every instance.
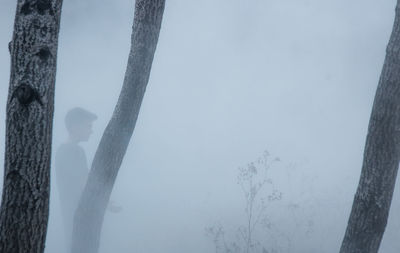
(30, 105)
(372, 201)
(111, 150)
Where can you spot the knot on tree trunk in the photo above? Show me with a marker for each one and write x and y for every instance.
(25, 95)
(41, 6)
(44, 53)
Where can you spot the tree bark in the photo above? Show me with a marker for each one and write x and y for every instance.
(372, 200)
(112, 148)
(30, 105)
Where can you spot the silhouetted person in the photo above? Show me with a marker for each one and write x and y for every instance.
(71, 164)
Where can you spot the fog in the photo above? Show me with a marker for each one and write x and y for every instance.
(230, 79)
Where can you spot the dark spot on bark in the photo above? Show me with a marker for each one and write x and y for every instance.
(13, 175)
(26, 8)
(42, 6)
(44, 53)
(26, 95)
(9, 46)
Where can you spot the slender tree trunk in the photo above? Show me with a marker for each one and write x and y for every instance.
(372, 201)
(111, 150)
(30, 105)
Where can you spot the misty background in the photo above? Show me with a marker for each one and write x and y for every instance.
(230, 79)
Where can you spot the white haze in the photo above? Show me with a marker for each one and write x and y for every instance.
(230, 79)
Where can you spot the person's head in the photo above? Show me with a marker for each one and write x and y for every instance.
(79, 124)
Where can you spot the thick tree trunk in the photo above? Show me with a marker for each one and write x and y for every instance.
(108, 158)
(30, 105)
(372, 201)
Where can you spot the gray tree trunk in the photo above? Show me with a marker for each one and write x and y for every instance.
(111, 150)
(372, 201)
(25, 197)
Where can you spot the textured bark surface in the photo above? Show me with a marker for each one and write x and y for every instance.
(372, 201)
(25, 196)
(111, 150)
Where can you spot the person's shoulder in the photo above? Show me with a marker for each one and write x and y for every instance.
(69, 146)
(69, 149)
